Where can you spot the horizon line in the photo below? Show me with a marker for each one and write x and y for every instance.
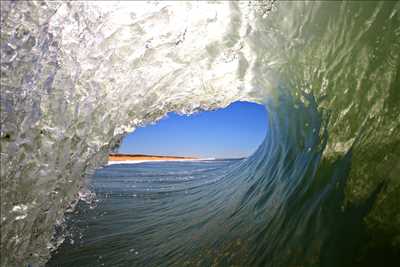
(165, 156)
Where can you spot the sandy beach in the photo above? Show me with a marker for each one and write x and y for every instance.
(137, 158)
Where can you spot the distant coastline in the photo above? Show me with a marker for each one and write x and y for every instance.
(120, 158)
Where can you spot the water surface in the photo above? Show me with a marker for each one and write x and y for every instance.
(145, 214)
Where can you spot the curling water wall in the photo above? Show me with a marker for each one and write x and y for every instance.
(77, 76)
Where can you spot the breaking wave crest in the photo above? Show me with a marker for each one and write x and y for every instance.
(76, 77)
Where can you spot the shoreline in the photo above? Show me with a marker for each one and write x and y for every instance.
(154, 160)
(138, 158)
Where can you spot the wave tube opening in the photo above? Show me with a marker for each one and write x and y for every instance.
(232, 132)
(177, 193)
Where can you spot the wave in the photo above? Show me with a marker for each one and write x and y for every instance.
(324, 184)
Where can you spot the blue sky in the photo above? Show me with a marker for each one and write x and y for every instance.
(233, 132)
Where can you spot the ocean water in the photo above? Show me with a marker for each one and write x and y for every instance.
(323, 189)
(143, 214)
